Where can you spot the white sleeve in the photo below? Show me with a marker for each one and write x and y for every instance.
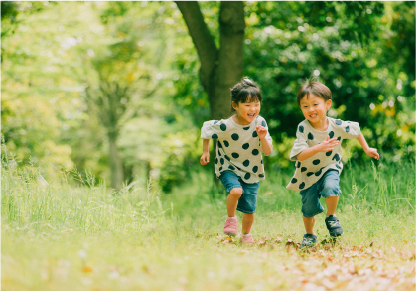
(300, 143)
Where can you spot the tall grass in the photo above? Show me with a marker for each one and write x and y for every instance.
(389, 188)
(30, 203)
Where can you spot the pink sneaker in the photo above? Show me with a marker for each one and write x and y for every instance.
(247, 239)
(230, 226)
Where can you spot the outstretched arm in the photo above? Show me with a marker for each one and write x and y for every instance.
(325, 146)
(371, 152)
(205, 156)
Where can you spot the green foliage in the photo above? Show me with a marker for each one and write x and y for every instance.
(53, 51)
(358, 49)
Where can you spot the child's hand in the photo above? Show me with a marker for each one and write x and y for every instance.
(261, 131)
(205, 158)
(328, 144)
(372, 153)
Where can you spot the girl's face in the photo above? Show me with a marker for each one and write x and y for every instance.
(314, 109)
(247, 112)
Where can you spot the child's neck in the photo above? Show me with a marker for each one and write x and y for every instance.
(239, 121)
(321, 125)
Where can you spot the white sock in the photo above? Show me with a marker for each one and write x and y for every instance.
(246, 234)
(234, 217)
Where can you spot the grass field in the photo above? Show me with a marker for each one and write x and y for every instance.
(65, 237)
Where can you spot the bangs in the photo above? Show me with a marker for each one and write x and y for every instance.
(249, 94)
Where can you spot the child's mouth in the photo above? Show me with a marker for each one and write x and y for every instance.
(251, 115)
(313, 116)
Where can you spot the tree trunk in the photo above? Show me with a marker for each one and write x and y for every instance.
(220, 68)
(116, 165)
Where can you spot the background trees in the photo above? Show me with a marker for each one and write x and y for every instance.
(177, 70)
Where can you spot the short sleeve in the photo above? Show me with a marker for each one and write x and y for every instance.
(300, 144)
(213, 129)
(348, 129)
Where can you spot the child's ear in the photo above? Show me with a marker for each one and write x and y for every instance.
(234, 105)
(328, 103)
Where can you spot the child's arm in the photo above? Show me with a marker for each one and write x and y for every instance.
(325, 146)
(205, 156)
(371, 152)
(266, 147)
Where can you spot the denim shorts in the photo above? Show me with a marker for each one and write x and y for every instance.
(247, 201)
(327, 186)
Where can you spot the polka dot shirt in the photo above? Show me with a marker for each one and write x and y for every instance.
(238, 147)
(309, 171)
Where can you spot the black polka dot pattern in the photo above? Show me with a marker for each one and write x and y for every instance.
(336, 157)
(246, 163)
(316, 162)
(261, 175)
(339, 138)
(347, 129)
(263, 123)
(338, 121)
(235, 155)
(231, 167)
(226, 143)
(338, 166)
(254, 133)
(309, 174)
(216, 160)
(255, 152)
(234, 136)
(301, 128)
(223, 127)
(246, 128)
(216, 121)
(331, 134)
(255, 169)
(245, 146)
(247, 176)
(219, 144)
(319, 172)
(226, 157)
(310, 136)
(303, 169)
(298, 165)
(328, 153)
(214, 135)
(294, 180)
(302, 185)
(222, 161)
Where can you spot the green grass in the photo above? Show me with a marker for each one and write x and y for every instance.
(66, 237)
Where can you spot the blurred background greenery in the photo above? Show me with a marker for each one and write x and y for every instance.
(113, 88)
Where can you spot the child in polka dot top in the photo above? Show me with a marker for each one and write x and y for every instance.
(318, 155)
(238, 159)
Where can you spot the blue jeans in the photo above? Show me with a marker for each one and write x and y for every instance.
(327, 186)
(247, 201)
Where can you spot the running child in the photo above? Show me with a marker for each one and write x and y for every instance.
(318, 155)
(238, 159)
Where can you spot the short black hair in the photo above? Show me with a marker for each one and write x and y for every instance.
(312, 87)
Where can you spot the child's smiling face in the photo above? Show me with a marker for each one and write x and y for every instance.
(247, 111)
(314, 109)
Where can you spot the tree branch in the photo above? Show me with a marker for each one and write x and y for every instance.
(202, 38)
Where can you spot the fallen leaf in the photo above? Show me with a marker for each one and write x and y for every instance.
(86, 269)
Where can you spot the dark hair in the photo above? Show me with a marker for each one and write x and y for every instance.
(312, 87)
(245, 90)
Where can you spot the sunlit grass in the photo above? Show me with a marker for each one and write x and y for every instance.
(65, 237)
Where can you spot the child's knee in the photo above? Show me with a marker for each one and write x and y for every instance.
(331, 189)
(311, 207)
(236, 191)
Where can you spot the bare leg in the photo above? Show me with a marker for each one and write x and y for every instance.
(247, 222)
(232, 201)
(309, 223)
(331, 204)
